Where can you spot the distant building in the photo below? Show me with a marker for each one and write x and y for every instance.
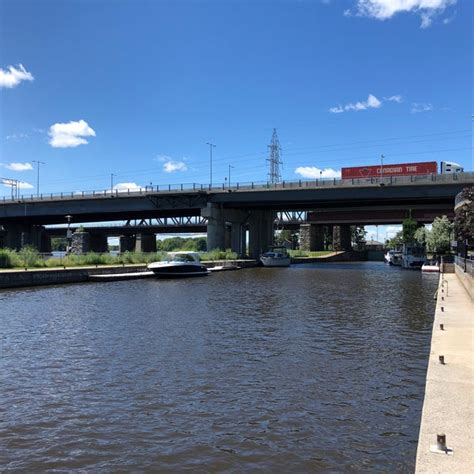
(374, 245)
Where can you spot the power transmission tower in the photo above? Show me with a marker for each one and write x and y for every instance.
(274, 175)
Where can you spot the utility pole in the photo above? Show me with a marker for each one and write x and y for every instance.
(112, 182)
(381, 168)
(211, 146)
(230, 167)
(274, 175)
(38, 175)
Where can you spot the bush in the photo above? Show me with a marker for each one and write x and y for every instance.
(30, 257)
(8, 258)
(219, 255)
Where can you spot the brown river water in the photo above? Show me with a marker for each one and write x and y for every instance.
(312, 368)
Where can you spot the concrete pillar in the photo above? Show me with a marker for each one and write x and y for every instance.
(260, 232)
(237, 238)
(45, 244)
(127, 243)
(19, 235)
(99, 243)
(341, 237)
(80, 243)
(311, 237)
(145, 243)
(215, 226)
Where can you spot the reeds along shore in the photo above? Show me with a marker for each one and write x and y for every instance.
(30, 258)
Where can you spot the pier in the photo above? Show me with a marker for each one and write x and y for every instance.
(448, 407)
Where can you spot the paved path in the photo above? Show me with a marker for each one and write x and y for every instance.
(449, 397)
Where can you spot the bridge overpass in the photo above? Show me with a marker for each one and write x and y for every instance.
(231, 211)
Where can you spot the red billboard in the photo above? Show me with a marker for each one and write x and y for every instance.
(401, 169)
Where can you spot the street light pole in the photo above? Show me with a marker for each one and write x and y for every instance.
(112, 182)
(38, 175)
(230, 167)
(381, 168)
(211, 146)
(68, 234)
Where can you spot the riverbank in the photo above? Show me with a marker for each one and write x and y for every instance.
(449, 395)
(57, 276)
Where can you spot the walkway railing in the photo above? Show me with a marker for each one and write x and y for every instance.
(467, 178)
(465, 264)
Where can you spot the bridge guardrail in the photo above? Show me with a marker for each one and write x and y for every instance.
(324, 183)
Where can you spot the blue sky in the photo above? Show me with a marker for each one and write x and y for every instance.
(137, 88)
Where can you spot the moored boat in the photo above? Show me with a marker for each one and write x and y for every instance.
(413, 256)
(430, 267)
(275, 257)
(179, 264)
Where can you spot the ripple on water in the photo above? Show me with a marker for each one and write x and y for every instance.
(315, 367)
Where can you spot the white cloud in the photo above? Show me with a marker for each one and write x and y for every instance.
(12, 76)
(172, 166)
(17, 136)
(70, 135)
(21, 184)
(163, 158)
(394, 98)
(315, 173)
(17, 166)
(417, 107)
(120, 187)
(385, 9)
(371, 103)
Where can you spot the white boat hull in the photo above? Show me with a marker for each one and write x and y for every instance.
(275, 262)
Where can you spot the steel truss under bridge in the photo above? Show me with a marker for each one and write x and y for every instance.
(167, 222)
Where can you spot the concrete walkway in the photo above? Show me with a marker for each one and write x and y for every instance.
(449, 396)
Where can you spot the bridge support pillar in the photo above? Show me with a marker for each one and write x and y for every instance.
(127, 243)
(341, 237)
(215, 227)
(145, 243)
(80, 243)
(225, 228)
(311, 237)
(99, 243)
(16, 236)
(260, 232)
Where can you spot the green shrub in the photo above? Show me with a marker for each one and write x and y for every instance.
(30, 257)
(219, 255)
(8, 258)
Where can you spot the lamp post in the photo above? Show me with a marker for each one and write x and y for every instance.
(68, 234)
(230, 167)
(38, 175)
(211, 146)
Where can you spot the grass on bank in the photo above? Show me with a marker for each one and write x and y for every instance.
(304, 253)
(29, 257)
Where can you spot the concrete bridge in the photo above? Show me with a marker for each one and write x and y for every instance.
(231, 212)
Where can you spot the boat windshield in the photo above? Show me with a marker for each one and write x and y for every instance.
(183, 257)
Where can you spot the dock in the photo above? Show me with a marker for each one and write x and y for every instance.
(448, 407)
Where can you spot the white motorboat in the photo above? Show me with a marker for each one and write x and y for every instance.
(393, 257)
(430, 267)
(275, 257)
(179, 264)
(413, 256)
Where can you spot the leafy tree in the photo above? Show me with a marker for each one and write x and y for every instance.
(59, 244)
(408, 231)
(464, 220)
(421, 235)
(395, 241)
(438, 240)
(358, 234)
